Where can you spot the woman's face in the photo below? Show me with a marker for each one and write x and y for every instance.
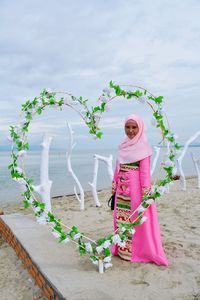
(131, 129)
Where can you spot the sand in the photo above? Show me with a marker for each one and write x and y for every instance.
(178, 214)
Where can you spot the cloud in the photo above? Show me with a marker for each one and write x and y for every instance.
(80, 46)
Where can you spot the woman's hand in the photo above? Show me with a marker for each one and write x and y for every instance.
(146, 191)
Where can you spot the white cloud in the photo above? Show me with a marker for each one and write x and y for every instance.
(80, 46)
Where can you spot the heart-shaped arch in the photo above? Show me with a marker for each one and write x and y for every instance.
(98, 251)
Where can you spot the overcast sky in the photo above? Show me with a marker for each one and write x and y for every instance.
(79, 46)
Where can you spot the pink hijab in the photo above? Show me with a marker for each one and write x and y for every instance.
(132, 150)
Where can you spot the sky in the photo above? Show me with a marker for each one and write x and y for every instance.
(79, 46)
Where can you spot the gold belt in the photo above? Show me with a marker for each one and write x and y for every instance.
(131, 166)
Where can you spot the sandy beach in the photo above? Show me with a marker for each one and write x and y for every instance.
(179, 222)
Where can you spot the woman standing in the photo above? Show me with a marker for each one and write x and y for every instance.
(131, 181)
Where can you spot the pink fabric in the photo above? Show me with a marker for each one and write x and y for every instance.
(146, 242)
(132, 150)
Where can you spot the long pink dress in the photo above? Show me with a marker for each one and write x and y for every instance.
(145, 245)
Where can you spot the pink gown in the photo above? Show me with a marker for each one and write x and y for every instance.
(145, 245)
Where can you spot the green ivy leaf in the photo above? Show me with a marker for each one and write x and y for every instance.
(99, 134)
(177, 146)
(51, 217)
(101, 241)
(96, 108)
(111, 84)
(26, 203)
(75, 229)
(39, 110)
(93, 257)
(62, 236)
(158, 99)
(107, 251)
(137, 93)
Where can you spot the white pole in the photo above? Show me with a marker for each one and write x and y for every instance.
(180, 158)
(157, 150)
(69, 167)
(108, 161)
(101, 266)
(93, 184)
(44, 188)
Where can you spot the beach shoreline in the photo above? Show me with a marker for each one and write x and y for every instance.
(87, 193)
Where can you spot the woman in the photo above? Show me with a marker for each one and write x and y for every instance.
(131, 181)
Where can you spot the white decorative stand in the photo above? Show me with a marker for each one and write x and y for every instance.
(157, 150)
(69, 167)
(93, 184)
(44, 188)
(196, 162)
(101, 266)
(180, 158)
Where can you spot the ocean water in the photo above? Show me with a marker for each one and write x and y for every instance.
(82, 164)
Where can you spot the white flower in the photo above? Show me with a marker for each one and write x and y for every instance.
(107, 91)
(141, 208)
(48, 90)
(144, 218)
(67, 101)
(107, 108)
(106, 244)
(107, 259)
(175, 136)
(66, 240)
(122, 244)
(41, 220)
(169, 163)
(153, 122)
(76, 236)
(132, 231)
(116, 239)
(161, 189)
(20, 180)
(36, 209)
(97, 118)
(104, 99)
(99, 249)
(22, 121)
(22, 153)
(123, 229)
(19, 170)
(31, 200)
(88, 247)
(56, 234)
(150, 201)
(107, 265)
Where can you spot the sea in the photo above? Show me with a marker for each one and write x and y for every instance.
(83, 166)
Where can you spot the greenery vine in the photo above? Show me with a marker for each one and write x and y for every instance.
(100, 249)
